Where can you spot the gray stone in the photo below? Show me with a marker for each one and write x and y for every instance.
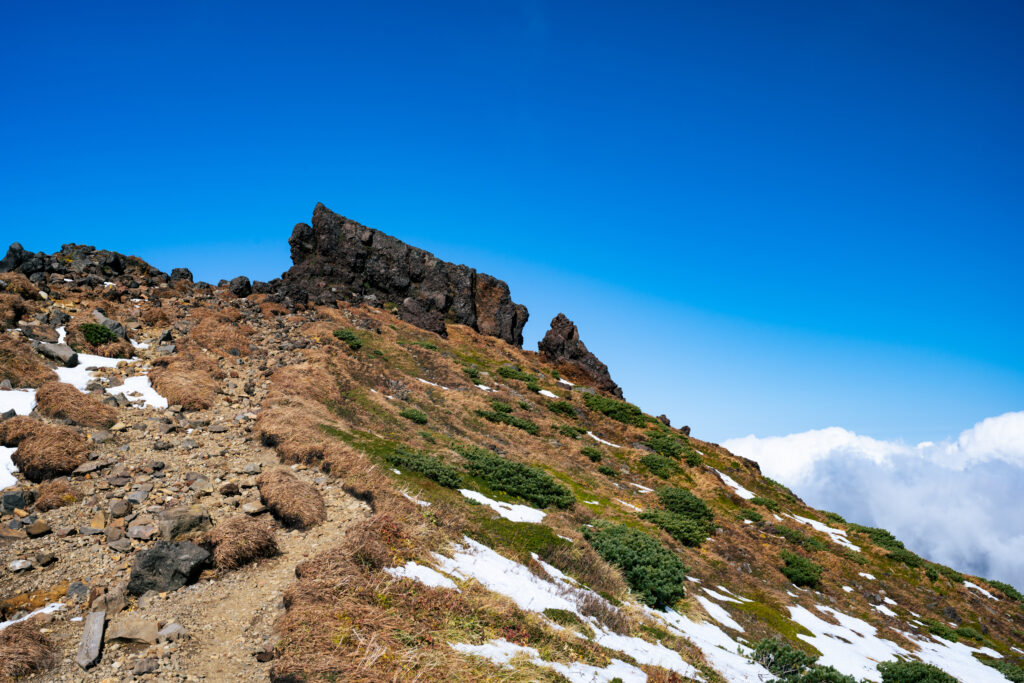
(171, 632)
(121, 545)
(20, 566)
(112, 325)
(181, 520)
(142, 532)
(132, 629)
(145, 666)
(166, 567)
(59, 353)
(254, 508)
(92, 640)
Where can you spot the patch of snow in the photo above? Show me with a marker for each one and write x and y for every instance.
(747, 521)
(726, 655)
(885, 610)
(416, 500)
(720, 597)
(565, 538)
(777, 518)
(62, 334)
(641, 487)
(501, 652)
(549, 394)
(693, 578)
(976, 587)
(847, 589)
(731, 483)
(395, 471)
(718, 613)
(7, 468)
(652, 654)
(21, 401)
(138, 345)
(432, 383)
(138, 388)
(867, 576)
(838, 536)
(510, 511)
(80, 375)
(1017, 649)
(483, 387)
(629, 505)
(889, 601)
(109, 284)
(425, 575)
(565, 382)
(851, 646)
(592, 502)
(48, 609)
(738, 597)
(598, 439)
(957, 659)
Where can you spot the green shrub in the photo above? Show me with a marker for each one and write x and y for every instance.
(607, 471)
(969, 632)
(685, 518)
(96, 334)
(350, 338)
(427, 436)
(752, 515)
(417, 416)
(473, 374)
(835, 518)
(913, 672)
(593, 453)
(794, 666)
(932, 573)
(509, 372)
(940, 629)
(562, 408)
(766, 502)
(1011, 671)
(1007, 590)
(527, 426)
(571, 431)
(683, 502)
(425, 345)
(500, 406)
(429, 466)
(525, 406)
(879, 537)
(617, 410)
(651, 569)
(659, 465)
(529, 483)
(906, 557)
(951, 574)
(664, 444)
(533, 386)
(800, 570)
(690, 455)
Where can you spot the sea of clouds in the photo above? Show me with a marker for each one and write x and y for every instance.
(959, 502)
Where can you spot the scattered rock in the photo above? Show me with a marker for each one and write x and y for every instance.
(59, 353)
(20, 566)
(562, 345)
(178, 521)
(166, 567)
(132, 629)
(240, 286)
(37, 528)
(92, 640)
(171, 632)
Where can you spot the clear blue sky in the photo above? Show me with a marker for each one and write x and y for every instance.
(765, 217)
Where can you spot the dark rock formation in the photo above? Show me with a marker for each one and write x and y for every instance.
(181, 274)
(240, 286)
(84, 265)
(337, 258)
(166, 567)
(562, 345)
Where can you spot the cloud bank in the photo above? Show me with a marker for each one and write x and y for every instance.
(959, 502)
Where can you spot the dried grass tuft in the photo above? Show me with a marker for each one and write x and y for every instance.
(292, 501)
(64, 402)
(186, 384)
(44, 451)
(240, 540)
(17, 283)
(20, 364)
(24, 650)
(56, 493)
(220, 332)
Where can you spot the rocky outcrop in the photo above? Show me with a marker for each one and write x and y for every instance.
(83, 264)
(338, 259)
(562, 345)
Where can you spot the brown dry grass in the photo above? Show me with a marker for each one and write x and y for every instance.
(20, 364)
(56, 493)
(219, 331)
(12, 308)
(292, 501)
(240, 540)
(154, 315)
(64, 402)
(25, 651)
(188, 379)
(44, 451)
(17, 283)
(118, 348)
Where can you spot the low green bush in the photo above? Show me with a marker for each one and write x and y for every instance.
(685, 503)
(562, 408)
(690, 455)
(880, 537)
(752, 515)
(527, 426)
(617, 410)
(431, 467)
(906, 557)
(1011, 671)
(571, 431)
(592, 452)
(942, 630)
(835, 518)
(685, 518)
(659, 465)
(473, 374)
(96, 334)
(509, 372)
(800, 570)
(607, 471)
(794, 666)
(529, 483)
(417, 416)
(664, 444)
(766, 502)
(1007, 590)
(913, 672)
(350, 338)
(500, 406)
(969, 632)
(652, 570)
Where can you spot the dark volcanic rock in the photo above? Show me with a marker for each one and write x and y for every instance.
(181, 274)
(562, 345)
(240, 286)
(337, 258)
(415, 313)
(166, 567)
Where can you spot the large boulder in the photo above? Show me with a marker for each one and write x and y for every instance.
(240, 286)
(337, 258)
(166, 567)
(562, 345)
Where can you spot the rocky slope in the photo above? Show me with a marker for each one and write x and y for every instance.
(256, 481)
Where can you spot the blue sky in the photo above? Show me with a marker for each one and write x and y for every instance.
(765, 217)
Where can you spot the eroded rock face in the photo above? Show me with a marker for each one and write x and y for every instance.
(562, 345)
(337, 258)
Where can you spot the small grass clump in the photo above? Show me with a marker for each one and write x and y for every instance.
(564, 408)
(529, 483)
(62, 401)
(431, 467)
(766, 502)
(96, 334)
(626, 413)
(800, 570)
(293, 502)
(651, 569)
(502, 412)
(686, 517)
(25, 650)
(239, 540)
(913, 672)
(942, 630)
(473, 374)
(350, 338)
(414, 415)
(592, 452)
(880, 537)
(607, 471)
(659, 465)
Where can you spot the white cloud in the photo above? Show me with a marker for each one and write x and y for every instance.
(956, 502)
